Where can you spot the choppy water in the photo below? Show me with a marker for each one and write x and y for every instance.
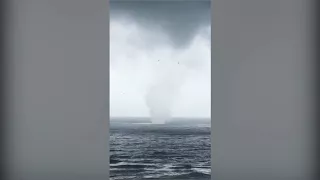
(144, 151)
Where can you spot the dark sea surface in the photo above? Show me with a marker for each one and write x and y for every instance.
(176, 150)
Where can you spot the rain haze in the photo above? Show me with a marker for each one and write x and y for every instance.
(160, 59)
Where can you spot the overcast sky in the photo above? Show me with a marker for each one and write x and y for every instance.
(178, 34)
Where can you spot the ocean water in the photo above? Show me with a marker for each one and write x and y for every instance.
(177, 150)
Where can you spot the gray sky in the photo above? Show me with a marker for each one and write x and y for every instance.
(141, 33)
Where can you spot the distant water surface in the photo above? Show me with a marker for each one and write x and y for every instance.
(177, 150)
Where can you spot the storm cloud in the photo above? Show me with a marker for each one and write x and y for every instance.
(180, 20)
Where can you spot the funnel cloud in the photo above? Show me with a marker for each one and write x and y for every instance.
(161, 95)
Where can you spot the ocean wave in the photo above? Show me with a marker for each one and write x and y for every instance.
(202, 170)
(166, 153)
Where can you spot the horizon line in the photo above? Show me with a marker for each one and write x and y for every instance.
(150, 117)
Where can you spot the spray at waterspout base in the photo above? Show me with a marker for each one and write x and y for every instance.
(159, 119)
(158, 123)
